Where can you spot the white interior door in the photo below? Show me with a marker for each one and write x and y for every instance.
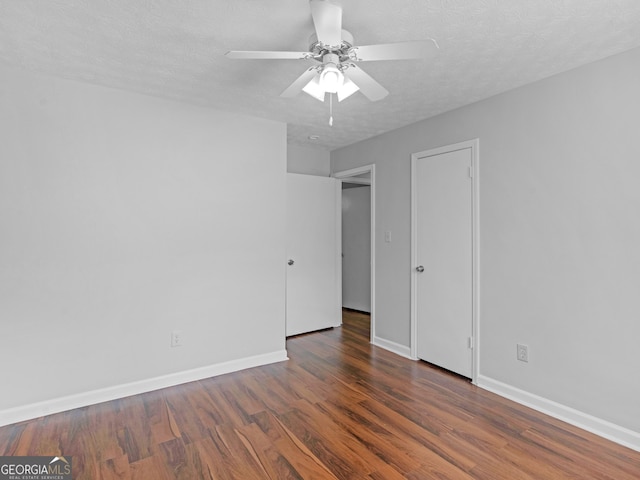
(313, 266)
(444, 256)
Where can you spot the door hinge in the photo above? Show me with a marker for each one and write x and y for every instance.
(470, 343)
(471, 172)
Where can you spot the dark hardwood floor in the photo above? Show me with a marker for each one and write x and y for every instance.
(339, 408)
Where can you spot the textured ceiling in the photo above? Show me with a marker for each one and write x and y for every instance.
(175, 49)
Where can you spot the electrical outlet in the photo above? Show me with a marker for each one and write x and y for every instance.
(523, 353)
(176, 338)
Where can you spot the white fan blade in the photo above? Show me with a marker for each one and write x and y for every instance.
(327, 18)
(301, 82)
(265, 55)
(368, 86)
(394, 51)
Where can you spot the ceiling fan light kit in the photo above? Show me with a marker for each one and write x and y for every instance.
(333, 48)
(314, 89)
(347, 89)
(331, 77)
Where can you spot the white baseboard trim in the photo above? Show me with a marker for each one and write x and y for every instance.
(394, 347)
(56, 405)
(600, 427)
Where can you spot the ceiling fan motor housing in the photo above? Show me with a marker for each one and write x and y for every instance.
(319, 50)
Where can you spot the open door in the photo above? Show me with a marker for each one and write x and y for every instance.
(313, 259)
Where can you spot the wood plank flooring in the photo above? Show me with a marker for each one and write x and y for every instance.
(338, 409)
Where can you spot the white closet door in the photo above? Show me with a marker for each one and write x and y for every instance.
(444, 300)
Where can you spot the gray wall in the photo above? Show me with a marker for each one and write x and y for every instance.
(125, 217)
(559, 233)
(308, 161)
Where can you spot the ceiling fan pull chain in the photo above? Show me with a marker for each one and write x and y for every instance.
(331, 109)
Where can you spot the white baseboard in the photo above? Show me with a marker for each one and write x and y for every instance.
(394, 347)
(600, 427)
(35, 410)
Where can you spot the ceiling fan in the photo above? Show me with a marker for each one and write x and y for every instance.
(333, 48)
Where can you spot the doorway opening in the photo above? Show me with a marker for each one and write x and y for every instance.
(356, 246)
(359, 179)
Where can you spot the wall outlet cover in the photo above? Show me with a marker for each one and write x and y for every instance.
(176, 338)
(522, 352)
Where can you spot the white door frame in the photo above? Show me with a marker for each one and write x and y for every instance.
(475, 237)
(347, 177)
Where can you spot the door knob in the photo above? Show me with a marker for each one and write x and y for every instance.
(290, 262)
(420, 269)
